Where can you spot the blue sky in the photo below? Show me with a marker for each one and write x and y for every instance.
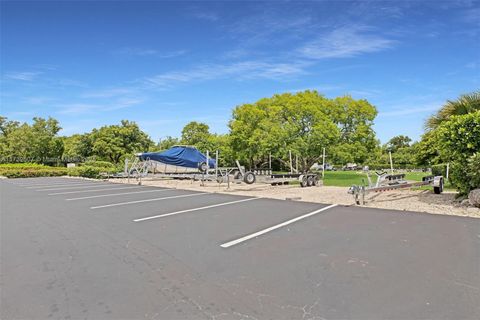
(163, 64)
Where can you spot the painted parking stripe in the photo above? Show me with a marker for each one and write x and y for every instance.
(117, 194)
(77, 187)
(64, 185)
(194, 209)
(149, 200)
(95, 190)
(283, 224)
(43, 182)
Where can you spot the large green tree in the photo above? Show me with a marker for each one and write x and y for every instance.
(196, 134)
(354, 118)
(166, 143)
(303, 123)
(77, 147)
(113, 142)
(398, 142)
(37, 142)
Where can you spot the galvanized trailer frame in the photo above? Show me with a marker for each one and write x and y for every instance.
(388, 182)
(141, 169)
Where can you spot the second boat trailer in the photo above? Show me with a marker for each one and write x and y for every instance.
(389, 182)
(307, 179)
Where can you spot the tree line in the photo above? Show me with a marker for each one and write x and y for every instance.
(302, 123)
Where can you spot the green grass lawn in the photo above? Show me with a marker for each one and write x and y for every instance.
(344, 178)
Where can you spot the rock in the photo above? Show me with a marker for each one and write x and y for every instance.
(474, 197)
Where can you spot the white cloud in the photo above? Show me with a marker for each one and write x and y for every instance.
(107, 93)
(207, 16)
(38, 100)
(23, 76)
(134, 51)
(345, 42)
(240, 71)
(82, 108)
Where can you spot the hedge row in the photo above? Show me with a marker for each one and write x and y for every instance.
(33, 172)
(92, 169)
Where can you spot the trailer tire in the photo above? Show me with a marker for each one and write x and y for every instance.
(303, 181)
(439, 189)
(202, 167)
(310, 181)
(249, 177)
(315, 180)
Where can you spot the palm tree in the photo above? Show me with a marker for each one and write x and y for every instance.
(465, 104)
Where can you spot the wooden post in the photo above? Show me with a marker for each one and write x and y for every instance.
(448, 171)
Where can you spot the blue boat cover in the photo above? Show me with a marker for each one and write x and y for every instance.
(181, 156)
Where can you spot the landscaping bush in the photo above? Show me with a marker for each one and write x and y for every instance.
(466, 177)
(100, 164)
(459, 144)
(30, 170)
(85, 171)
(93, 169)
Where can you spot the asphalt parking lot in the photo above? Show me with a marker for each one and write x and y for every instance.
(79, 249)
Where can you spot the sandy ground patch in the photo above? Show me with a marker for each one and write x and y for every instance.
(404, 200)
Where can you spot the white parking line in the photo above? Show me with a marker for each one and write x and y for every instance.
(79, 187)
(43, 182)
(283, 224)
(95, 190)
(149, 200)
(63, 185)
(194, 209)
(116, 194)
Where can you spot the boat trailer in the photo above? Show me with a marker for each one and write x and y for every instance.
(307, 179)
(389, 182)
(141, 169)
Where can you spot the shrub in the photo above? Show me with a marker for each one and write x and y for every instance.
(100, 164)
(30, 170)
(85, 171)
(459, 143)
(466, 177)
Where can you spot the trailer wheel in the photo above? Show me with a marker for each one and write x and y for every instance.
(439, 189)
(315, 180)
(303, 181)
(310, 181)
(249, 177)
(202, 167)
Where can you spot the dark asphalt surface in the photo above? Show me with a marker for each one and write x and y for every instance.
(60, 259)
